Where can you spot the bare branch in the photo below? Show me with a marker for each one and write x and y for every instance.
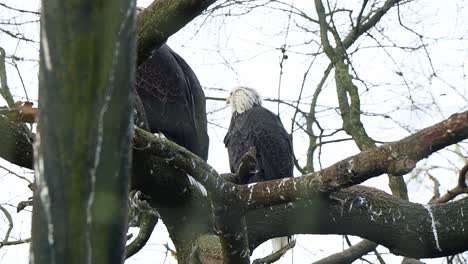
(324, 30)
(17, 35)
(16, 174)
(311, 119)
(275, 256)
(20, 10)
(461, 188)
(15, 242)
(351, 254)
(10, 225)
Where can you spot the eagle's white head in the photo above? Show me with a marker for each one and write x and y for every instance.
(243, 98)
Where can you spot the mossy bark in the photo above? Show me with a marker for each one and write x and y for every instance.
(87, 62)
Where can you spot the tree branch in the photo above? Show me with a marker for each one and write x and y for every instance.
(405, 228)
(10, 225)
(163, 18)
(147, 223)
(351, 254)
(15, 143)
(459, 189)
(395, 158)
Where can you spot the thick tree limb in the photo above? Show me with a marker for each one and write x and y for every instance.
(409, 229)
(15, 143)
(396, 158)
(163, 18)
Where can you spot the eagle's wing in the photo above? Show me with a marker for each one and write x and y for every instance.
(238, 139)
(199, 107)
(139, 117)
(262, 129)
(274, 149)
(171, 95)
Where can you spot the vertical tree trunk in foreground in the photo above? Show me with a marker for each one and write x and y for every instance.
(87, 61)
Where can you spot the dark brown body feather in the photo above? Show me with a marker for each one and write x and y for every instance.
(168, 98)
(173, 100)
(260, 128)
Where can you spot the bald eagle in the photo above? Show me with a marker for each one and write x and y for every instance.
(255, 126)
(173, 100)
(168, 99)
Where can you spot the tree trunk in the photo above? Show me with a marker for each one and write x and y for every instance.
(87, 61)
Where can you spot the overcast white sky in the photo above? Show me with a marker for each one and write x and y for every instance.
(226, 51)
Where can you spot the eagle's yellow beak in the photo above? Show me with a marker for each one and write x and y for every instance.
(228, 100)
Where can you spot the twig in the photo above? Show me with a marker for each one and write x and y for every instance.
(436, 186)
(21, 79)
(459, 189)
(311, 119)
(10, 225)
(16, 174)
(16, 242)
(17, 35)
(19, 10)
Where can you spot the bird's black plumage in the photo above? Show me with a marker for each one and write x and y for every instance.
(168, 98)
(260, 128)
(173, 100)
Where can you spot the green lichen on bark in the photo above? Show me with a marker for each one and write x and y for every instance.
(347, 92)
(350, 107)
(86, 71)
